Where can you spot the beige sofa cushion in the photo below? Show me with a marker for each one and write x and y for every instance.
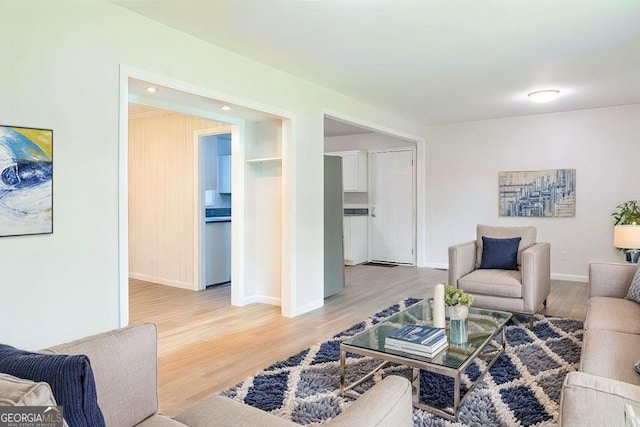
(591, 401)
(613, 314)
(503, 283)
(634, 288)
(526, 234)
(19, 392)
(611, 354)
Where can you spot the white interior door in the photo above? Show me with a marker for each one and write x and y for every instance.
(392, 206)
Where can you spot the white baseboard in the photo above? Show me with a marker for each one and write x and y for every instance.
(554, 276)
(307, 308)
(570, 277)
(261, 299)
(438, 265)
(162, 281)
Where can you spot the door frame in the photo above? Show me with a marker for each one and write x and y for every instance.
(289, 123)
(413, 196)
(422, 155)
(198, 184)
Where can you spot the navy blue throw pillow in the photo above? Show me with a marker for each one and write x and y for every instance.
(501, 254)
(70, 378)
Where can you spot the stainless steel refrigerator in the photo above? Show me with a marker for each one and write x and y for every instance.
(333, 217)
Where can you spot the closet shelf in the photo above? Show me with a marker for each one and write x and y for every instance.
(265, 159)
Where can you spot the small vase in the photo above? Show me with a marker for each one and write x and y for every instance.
(458, 333)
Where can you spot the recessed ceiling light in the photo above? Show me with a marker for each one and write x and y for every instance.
(544, 95)
(225, 108)
(151, 89)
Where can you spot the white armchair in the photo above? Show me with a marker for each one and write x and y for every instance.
(521, 290)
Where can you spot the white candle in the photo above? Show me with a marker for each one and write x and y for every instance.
(438, 306)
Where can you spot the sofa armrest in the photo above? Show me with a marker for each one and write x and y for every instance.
(582, 392)
(610, 279)
(220, 411)
(536, 275)
(388, 403)
(124, 365)
(462, 261)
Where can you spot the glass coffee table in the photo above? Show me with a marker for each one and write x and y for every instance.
(483, 325)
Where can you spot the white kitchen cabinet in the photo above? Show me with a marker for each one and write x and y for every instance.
(217, 262)
(224, 174)
(354, 170)
(356, 242)
(346, 240)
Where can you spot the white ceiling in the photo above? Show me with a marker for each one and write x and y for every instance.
(337, 128)
(432, 61)
(171, 100)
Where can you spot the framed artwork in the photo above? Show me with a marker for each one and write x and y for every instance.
(26, 181)
(544, 193)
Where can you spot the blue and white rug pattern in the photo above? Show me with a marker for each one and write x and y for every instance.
(521, 389)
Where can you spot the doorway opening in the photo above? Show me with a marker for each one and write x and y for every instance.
(164, 219)
(380, 191)
(212, 178)
(257, 136)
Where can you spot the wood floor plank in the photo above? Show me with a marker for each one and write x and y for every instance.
(205, 345)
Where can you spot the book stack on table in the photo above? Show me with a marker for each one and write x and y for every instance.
(419, 340)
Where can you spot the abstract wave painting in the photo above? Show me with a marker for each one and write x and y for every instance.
(26, 177)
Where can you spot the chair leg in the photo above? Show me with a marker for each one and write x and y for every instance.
(544, 302)
(531, 321)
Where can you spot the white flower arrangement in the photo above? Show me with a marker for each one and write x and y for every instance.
(454, 296)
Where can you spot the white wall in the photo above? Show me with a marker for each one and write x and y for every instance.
(62, 72)
(462, 179)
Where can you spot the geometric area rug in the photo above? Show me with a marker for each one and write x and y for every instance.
(522, 388)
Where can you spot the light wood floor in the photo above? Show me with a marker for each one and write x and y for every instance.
(206, 345)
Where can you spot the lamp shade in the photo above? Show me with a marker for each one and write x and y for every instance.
(626, 236)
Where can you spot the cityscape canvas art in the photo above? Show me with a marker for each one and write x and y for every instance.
(544, 193)
(26, 174)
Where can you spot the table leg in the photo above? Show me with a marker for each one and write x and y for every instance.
(415, 384)
(456, 395)
(342, 357)
(504, 338)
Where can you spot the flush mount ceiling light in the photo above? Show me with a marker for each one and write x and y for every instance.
(225, 108)
(542, 96)
(151, 89)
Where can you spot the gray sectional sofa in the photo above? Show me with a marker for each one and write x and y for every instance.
(607, 380)
(124, 365)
